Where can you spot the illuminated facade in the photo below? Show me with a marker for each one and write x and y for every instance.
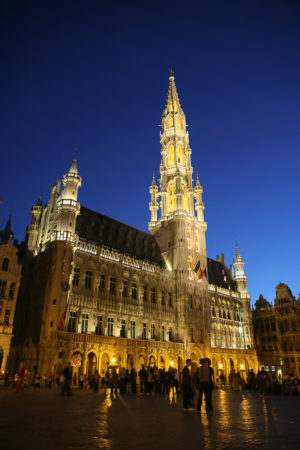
(10, 277)
(103, 292)
(277, 332)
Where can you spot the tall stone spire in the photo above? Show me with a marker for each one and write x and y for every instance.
(176, 183)
(181, 206)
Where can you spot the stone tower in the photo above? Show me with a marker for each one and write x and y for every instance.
(180, 229)
(67, 206)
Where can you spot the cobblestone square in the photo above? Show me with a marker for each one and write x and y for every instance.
(87, 420)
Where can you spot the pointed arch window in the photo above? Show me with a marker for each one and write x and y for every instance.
(190, 267)
(170, 122)
(181, 159)
(172, 197)
(5, 264)
(188, 238)
(178, 122)
(184, 202)
(171, 155)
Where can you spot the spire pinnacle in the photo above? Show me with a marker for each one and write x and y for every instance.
(172, 103)
(73, 168)
(237, 253)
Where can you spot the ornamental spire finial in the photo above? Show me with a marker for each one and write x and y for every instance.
(171, 72)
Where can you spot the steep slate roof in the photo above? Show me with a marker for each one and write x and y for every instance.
(104, 230)
(219, 275)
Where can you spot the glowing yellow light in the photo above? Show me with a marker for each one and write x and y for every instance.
(113, 360)
(172, 363)
(242, 367)
(220, 366)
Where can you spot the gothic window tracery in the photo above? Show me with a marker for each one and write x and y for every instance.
(172, 197)
(171, 155)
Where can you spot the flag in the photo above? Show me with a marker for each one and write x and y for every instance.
(62, 321)
(199, 271)
(258, 344)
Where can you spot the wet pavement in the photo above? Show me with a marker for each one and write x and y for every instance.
(87, 420)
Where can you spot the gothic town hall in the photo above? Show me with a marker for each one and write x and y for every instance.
(101, 293)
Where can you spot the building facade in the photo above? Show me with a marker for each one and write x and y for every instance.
(277, 332)
(101, 292)
(10, 278)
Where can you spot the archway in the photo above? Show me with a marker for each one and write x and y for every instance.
(162, 363)
(58, 369)
(141, 361)
(130, 362)
(152, 361)
(76, 363)
(91, 365)
(194, 363)
(231, 364)
(104, 363)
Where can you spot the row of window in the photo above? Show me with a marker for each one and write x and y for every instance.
(5, 264)
(100, 329)
(127, 290)
(11, 292)
(224, 315)
(6, 315)
(283, 325)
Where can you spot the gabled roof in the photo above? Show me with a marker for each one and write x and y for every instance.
(104, 230)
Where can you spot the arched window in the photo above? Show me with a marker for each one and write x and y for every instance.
(171, 155)
(5, 264)
(190, 267)
(172, 197)
(184, 200)
(11, 292)
(178, 122)
(180, 154)
(170, 122)
(188, 238)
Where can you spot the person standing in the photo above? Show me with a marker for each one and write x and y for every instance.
(143, 380)
(186, 385)
(20, 378)
(201, 381)
(212, 383)
(67, 373)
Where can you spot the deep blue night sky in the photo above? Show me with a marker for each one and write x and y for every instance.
(94, 74)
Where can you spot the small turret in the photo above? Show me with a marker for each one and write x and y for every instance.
(67, 206)
(153, 205)
(32, 230)
(240, 277)
(199, 206)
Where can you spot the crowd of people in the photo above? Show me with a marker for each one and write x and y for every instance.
(264, 382)
(193, 383)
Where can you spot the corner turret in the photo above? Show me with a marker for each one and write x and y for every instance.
(240, 277)
(67, 205)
